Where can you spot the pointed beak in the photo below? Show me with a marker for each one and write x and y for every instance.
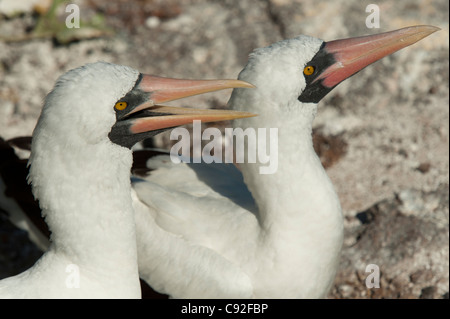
(340, 59)
(166, 89)
(145, 117)
(162, 117)
(163, 90)
(354, 54)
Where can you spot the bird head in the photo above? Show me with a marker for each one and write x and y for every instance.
(305, 69)
(103, 101)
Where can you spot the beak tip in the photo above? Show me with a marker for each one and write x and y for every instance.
(419, 32)
(428, 29)
(431, 28)
(242, 84)
(250, 86)
(247, 114)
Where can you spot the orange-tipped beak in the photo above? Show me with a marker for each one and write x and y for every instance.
(139, 115)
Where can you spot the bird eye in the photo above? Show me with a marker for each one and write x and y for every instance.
(308, 70)
(120, 106)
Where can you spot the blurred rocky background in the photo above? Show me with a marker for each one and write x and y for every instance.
(383, 135)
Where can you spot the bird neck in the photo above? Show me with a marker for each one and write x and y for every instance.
(299, 192)
(85, 196)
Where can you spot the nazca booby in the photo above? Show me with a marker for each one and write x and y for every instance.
(80, 172)
(210, 231)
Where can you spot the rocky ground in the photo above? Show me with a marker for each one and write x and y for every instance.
(383, 135)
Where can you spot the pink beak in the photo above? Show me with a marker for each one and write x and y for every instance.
(354, 54)
(338, 60)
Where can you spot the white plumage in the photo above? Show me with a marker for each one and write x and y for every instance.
(80, 172)
(202, 231)
(210, 231)
(82, 182)
(286, 246)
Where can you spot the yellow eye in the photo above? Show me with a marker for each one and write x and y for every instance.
(308, 70)
(120, 106)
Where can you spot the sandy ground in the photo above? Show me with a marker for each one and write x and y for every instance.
(393, 118)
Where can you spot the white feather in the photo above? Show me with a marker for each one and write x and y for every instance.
(265, 236)
(82, 182)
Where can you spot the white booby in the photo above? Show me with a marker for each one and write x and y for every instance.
(80, 172)
(210, 231)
